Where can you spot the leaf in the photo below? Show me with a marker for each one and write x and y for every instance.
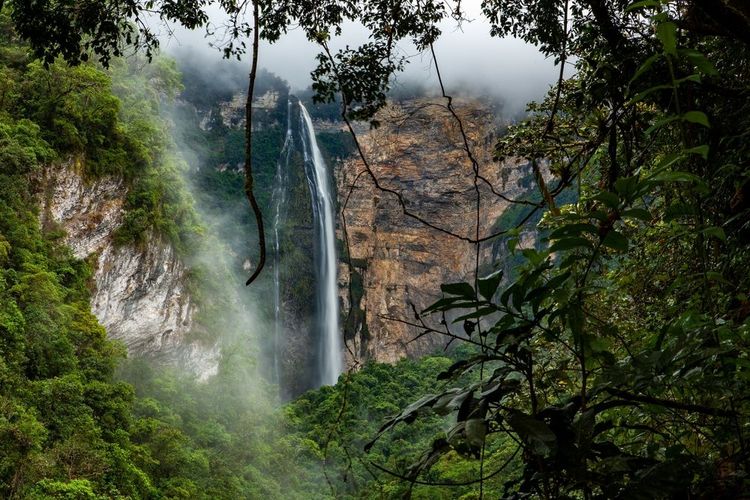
(442, 304)
(449, 303)
(558, 280)
(540, 293)
(506, 294)
(645, 67)
(570, 243)
(498, 388)
(572, 230)
(598, 344)
(535, 432)
(575, 320)
(600, 215)
(479, 313)
(642, 95)
(440, 447)
(616, 241)
(456, 368)
(715, 232)
(718, 277)
(659, 124)
(408, 415)
(638, 213)
(666, 32)
(695, 77)
(667, 161)
(677, 177)
(609, 199)
(698, 117)
(699, 150)
(518, 295)
(488, 285)
(643, 4)
(460, 367)
(699, 61)
(460, 289)
(451, 401)
(626, 186)
(476, 430)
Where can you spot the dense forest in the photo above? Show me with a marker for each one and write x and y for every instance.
(609, 359)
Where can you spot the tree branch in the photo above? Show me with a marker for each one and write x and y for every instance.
(705, 410)
(249, 183)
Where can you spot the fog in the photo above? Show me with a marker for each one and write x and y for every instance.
(470, 60)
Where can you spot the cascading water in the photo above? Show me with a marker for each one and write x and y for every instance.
(330, 356)
(279, 202)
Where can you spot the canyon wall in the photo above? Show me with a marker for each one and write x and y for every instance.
(139, 292)
(397, 260)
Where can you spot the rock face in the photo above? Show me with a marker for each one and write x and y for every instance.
(398, 261)
(233, 112)
(139, 292)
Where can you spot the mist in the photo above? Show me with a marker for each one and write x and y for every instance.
(471, 62)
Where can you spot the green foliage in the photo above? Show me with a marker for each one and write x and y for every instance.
(614, 356)
(22, 149)
(76, 110)
(77, 489)
(211, 439)
(68, 429)
(102, 128)
(613, 360)
(158, 201)
(60, 413)
(331, 426)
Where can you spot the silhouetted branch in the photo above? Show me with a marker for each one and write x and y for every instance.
(706, 410)
(249, 183)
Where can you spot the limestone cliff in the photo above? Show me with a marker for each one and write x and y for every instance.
(139, 292)
(398, 262)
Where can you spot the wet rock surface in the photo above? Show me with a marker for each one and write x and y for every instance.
(139, 292)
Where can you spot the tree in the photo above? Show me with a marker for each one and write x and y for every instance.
(616, 357)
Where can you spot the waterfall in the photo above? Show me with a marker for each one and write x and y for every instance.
(330, 355)
(279, 203)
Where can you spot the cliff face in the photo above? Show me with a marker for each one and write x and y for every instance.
(398, 261)
(139, 292)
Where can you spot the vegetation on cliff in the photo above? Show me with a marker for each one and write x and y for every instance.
(73, 425)
(68, 427)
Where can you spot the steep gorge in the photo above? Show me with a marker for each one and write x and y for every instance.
(141, 292)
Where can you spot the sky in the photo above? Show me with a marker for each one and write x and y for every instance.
(470, 60)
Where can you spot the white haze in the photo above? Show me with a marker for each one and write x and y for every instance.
(470, 60)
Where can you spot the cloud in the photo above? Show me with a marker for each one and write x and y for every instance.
(470, 60)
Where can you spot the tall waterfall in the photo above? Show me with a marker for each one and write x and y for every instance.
(330, 355)
(279, 203)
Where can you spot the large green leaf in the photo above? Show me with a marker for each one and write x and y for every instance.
(488, 285)
(533, 432)
(698, 117)
(570, 244)
(460, 289)
(616, 241)
(666, 32)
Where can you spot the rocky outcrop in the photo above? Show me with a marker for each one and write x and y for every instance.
(233, 112)
(139, 291)
(399, 261)
(89, 213)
